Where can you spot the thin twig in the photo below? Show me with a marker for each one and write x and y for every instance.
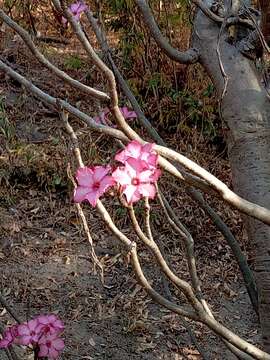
(249, 208)
(9, 309)
(43, 60)
(77, 153)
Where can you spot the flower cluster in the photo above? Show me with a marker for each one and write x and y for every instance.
(135, 177)
(103, 117)
(76, 9)
(42, 332)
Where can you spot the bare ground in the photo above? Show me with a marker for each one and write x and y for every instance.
(45, 259)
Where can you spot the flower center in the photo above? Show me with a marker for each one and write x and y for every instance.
(96, 185)
(46, 329)
(48, 344)
(135, 181)
(32, 333)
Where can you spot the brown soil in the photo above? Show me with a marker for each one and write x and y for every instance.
(44, 256)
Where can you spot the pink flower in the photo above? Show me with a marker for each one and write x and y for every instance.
(136, 180)
(49, 324)
(92, 183)
(103, 117)
(141, 152)
(50, 346)
(76, 9)
(9, 336)
(28, 332)
(127, 113)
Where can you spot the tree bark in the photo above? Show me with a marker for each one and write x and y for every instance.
(246, 115)
(265, 21)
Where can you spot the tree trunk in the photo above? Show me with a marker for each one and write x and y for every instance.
(246, 115)
(265, 22)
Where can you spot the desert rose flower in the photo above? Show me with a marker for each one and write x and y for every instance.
(27, 332)
(103, 118)
(49, 324)
(128, 114)
(136, 181)
(41, 332)
(140, 152)
(50, 346)
(92, 183)
(76, 9)
(9, 336)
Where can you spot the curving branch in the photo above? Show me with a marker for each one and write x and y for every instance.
(245, 206)
(43, 60)
(188, 57)
(212, 183)
(199, 315)
(56, 103)
(192, 192)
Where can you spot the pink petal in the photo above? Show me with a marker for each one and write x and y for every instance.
(128, 114)
(121, 156)
(80, 193)
(52, 318)
(53, 354)
(92, 197)
(32, 324)
(23, 330)
(105, 183)
(148, 147)
(147, 190)
(134, 148)
(152, 160)
(84, 176)
(156, 174)
(43, 319)
(134, 166)
(131, 193)
(121, 176)
(25, 340)
(145, 175)
(74, 8)
(4, 343)
(58, 344)
(43, 350)
(99, 172)
(59, 324)
(83, 7)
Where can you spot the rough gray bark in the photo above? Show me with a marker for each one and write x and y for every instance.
(246, 115)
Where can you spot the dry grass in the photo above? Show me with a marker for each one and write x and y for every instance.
(45, 263)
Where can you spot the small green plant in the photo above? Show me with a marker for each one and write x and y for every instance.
(73, 63)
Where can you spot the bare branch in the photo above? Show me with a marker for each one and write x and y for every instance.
(204, 317)
(222, 190)
(55, 102)
(195, 195)
(77, 153)
(61, 74)
(256, 211)
(138, 270)
(235, 247)
(10, 310)
(188, 57)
